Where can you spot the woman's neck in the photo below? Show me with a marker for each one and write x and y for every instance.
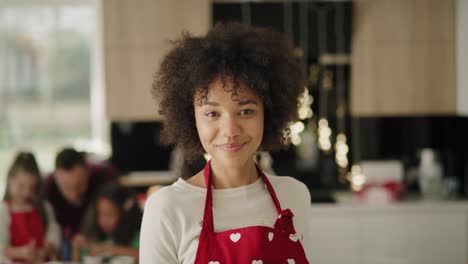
(232, 177)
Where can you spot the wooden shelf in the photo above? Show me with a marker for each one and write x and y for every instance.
(143, 179)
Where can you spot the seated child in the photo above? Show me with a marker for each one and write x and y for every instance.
(111, 225)
(29, 232)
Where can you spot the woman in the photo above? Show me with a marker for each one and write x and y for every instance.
(228, 94)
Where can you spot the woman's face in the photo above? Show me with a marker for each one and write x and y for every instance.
(22, 187)
(108, 215)
(230, 130)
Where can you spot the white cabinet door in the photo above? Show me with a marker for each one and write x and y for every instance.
(417, 233)
(417, 238)
(334, 239)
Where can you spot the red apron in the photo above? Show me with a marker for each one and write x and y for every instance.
(249, 245)
(26, 227)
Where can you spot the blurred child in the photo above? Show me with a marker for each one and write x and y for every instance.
(111, 225)
(29, 232)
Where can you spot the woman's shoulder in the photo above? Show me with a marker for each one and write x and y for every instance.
(289, 187)
(163, 196)
(169, 197)
(287, 182)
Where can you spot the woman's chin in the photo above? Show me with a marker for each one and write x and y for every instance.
(232, 161)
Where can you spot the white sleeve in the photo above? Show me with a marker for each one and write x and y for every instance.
(53, 229)
(4, 229)
(158, 235)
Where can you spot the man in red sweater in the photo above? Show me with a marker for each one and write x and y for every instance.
(72, 186)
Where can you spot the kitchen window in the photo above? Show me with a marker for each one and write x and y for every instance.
(51, 80)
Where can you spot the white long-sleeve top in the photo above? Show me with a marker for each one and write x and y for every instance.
(172, 216)
(52, 234)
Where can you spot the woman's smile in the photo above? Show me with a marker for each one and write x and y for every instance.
(233, 147)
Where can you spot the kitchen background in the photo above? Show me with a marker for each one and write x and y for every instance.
(383, 140)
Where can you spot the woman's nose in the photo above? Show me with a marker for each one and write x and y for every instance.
(230, 126)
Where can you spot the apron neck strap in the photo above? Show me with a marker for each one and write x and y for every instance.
(208, 213)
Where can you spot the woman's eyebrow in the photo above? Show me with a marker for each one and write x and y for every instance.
(211, 103)
(246, 102)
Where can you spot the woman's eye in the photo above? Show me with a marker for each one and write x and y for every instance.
(211, 114)
(246, 112)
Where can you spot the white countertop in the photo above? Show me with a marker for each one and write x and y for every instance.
(348, 201)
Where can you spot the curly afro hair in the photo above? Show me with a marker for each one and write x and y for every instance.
(260, 58)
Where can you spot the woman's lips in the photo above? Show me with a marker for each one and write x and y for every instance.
(231, 147)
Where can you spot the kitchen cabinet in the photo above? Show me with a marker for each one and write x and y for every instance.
(461, 21)
(136, 36)
(408, 57)
(401, 233)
